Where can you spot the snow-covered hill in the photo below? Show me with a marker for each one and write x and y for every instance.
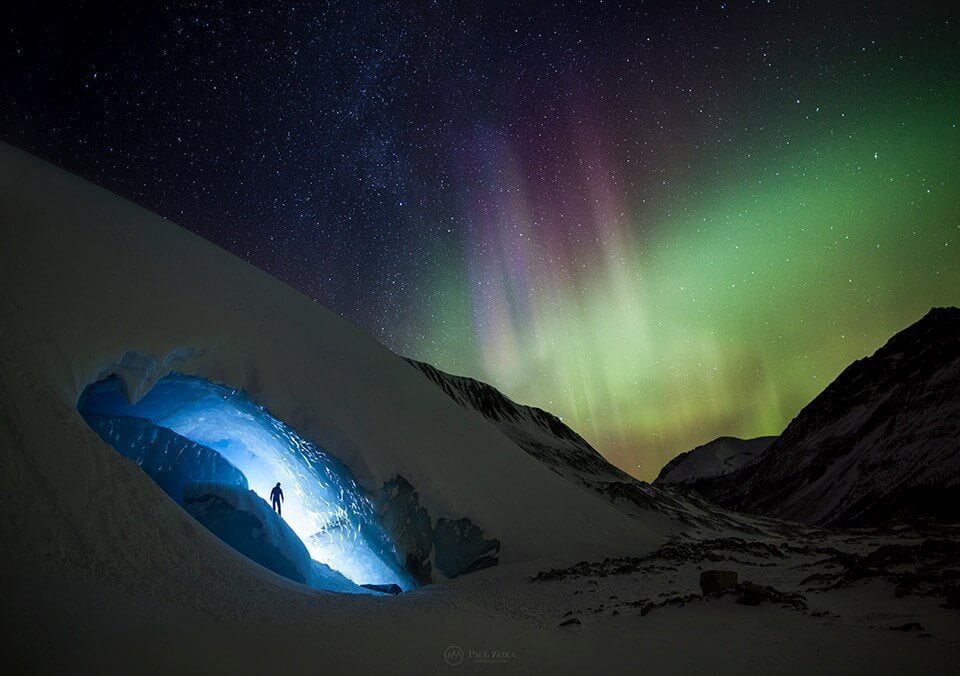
(715, 458)
(881, 443)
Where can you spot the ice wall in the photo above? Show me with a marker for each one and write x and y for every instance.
(171, 460)
(324, 506)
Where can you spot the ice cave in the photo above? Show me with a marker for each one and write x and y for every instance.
(218, 454)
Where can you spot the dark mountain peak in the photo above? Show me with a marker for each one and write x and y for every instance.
(939, 324)
(881, 442)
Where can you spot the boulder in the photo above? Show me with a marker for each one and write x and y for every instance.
(460, 547)
(752, 594)
(717, 581)
(408, 526)
(384, 588)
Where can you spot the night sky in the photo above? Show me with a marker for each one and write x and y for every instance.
(662, 221)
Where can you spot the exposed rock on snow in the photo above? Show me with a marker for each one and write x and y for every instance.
(541, 434)
(716, 458)
(460, 548)
(752, 594)
(392, 589)
(926, 567)
(716, 581)
(409, 527)
(456, 547)
(879, 444)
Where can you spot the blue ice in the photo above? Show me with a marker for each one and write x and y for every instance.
(325, 506)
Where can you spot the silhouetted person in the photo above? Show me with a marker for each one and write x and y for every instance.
(276, 497)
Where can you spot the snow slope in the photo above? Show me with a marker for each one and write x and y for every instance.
(720, 456)
(879, 444)
(538, 432)
(117, 290)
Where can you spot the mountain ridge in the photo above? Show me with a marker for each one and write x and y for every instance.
(880, 443)
(722, 455)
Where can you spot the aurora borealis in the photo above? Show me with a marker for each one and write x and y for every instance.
(662, 223)
(660, 329)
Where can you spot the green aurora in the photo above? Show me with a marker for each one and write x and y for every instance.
(736, 305)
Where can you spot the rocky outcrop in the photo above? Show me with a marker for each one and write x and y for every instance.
(460, 548)
(408, 526)
(538, 432)
(431, 552)
(392, 589)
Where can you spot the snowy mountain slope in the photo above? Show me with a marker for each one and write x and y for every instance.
(109, 288)
(880, 443)
(720, 456)
(546, 438)
(540, 433)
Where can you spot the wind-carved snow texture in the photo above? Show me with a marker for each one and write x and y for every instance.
(138, 372)
(720, 456)
(221, 429)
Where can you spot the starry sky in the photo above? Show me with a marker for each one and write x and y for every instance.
(662, 221)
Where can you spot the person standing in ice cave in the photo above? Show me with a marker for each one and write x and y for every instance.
(276, 497)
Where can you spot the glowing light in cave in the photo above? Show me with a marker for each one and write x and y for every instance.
(324, 506)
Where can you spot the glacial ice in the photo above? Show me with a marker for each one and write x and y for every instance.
(325, 507)
(171, 460)
(245, 521)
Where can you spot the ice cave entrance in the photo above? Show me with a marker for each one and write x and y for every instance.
(206, 444)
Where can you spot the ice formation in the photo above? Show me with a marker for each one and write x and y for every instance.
(245, 521)
(229, 440)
